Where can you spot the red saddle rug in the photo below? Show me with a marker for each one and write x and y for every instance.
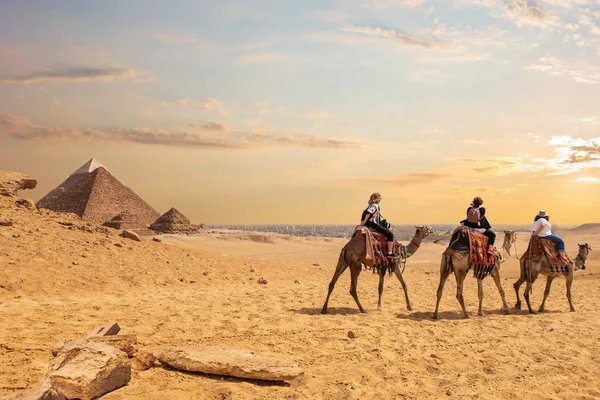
(380, 250)
(467, 241)
(539, 247)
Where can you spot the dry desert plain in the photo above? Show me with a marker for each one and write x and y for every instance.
(58, 282)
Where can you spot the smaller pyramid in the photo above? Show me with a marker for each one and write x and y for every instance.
(124, 220)
(88, 167)
(173, 222)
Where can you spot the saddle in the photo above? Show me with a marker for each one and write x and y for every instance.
(376, 249)
(467, 242)
(539, 247)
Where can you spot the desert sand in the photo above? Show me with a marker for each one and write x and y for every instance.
(59, 281)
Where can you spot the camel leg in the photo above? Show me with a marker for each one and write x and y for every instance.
(444, 274)
(480, 295)
(381, 279)
(527, 290)
(339, 270)
(549, 280)
(569, 282)
(496, 277)
(460, 278)
(404, 287)
(517, 285)
(354, 273)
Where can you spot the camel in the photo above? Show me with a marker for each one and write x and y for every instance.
(461, 267)
(354, 254)
(543, 268)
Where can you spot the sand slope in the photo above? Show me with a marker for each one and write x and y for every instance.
(198, 291)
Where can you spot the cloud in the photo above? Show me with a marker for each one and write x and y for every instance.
(176, 38)
(74, 74)
(523, 14)
(209, 104)
(411, 178)
(588, 180)
(580, 72)
(210, 126)
(257, 58)
(318, 115)
(402, 38)
(16, 127)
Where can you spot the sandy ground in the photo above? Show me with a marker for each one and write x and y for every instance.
(58, 283)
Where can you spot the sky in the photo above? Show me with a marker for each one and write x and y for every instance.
(255, 112)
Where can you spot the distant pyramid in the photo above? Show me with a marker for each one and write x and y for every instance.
(97, 196)
(173, 222)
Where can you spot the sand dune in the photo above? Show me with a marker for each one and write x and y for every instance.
(59, 281)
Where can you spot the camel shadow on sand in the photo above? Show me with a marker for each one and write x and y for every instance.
(330, 311)
(450, 315)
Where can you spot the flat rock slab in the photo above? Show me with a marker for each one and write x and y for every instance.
(130, 235)
(125, 343)
(42, 391)
(231, 362)
(89, 371)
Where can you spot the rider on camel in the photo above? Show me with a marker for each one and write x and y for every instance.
(477, 221)
(542, 228)
(371, 218)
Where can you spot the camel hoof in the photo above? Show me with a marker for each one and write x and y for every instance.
(466, 316)
(435, 316)
(324, 311)
(532, 312)
(572, 310)
(518, 306)
(409, 308)
(378, 308)
(541, 310)
(506, 311)
(481, 314)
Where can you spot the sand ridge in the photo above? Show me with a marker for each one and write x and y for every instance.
(58, 282)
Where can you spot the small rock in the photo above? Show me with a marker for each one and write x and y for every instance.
(433, 355)
(155, 239)
(181, 280)
(251, 269)
(105, 330)
(262, 281)
(316, 265)
(297, 282)
(551, 329)
(448, 393)
(75, 263)
(130, 235)
(142, 360)
(42, 391)
(26, 203)
(6, 222)
(16, 235)
(118, 245)
(351, 335)
(192, 281)
(205, 273)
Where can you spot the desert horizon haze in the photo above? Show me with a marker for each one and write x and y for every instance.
(295, 112)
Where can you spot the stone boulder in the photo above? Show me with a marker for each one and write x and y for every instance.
(89, 370)
(142, 360)
(26, 203)
(130, 235)
(12, 182)
(231, 362)
(125, 343)
(6, 222)
(42, 391)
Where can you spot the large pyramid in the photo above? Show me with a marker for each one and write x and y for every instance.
(173, 222)
(97, 196)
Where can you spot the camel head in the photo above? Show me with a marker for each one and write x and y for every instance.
(424, 230)
(582, 255)
(510, 237)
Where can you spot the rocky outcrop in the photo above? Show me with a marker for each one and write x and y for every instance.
(12, 182)
(89, 370)
(142, 360)
(231, 362)
(43, 391)
(130, 235)
(125, 343)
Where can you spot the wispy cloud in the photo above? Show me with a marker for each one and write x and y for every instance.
(588, 180)
(400, 37)
(210, 126)
(580, 72)
(412, 178)
(16, 127)
(74, 74)
(522, 13)
(472, 141)
(209, 104)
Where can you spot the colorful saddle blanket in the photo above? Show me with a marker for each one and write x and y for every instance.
(467, 241)
(539, 247)
(380, 250)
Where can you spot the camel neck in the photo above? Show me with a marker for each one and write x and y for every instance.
(414, 244)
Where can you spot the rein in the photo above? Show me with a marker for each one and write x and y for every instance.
(415, 243)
